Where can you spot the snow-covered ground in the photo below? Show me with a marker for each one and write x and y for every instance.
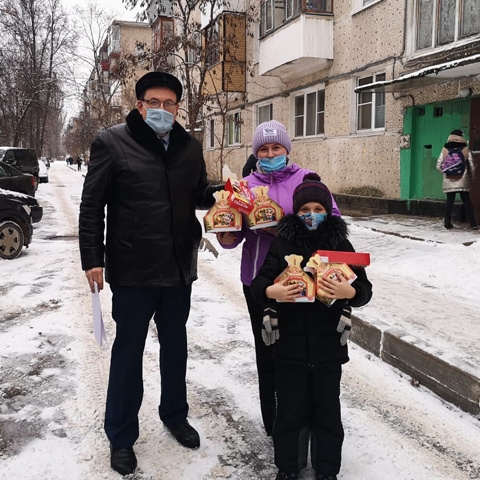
(53, 375)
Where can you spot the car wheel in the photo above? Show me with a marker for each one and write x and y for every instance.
(11, 240)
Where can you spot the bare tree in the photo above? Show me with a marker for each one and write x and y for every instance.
(35, 41)
(99, 78)
(209, 59)
(225, 87)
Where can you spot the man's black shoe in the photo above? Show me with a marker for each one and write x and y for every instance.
(325, 477)
(123, 460)
(185, 434)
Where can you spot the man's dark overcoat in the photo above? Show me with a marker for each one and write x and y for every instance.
(152, 233)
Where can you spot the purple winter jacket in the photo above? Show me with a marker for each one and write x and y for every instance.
(257, 242)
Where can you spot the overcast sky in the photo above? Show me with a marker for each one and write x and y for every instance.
(116, 7)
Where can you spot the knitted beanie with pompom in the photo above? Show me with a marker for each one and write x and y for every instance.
(312, 190)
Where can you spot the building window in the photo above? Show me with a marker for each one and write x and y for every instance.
(309, 114)
(114, 39)
(293, 7)
(212, 44)
(266, 16)
(162, 33)
(274, 13)
(264, 113)
(440, 22)
(194, 48)
(233, 129)
(370, 106)
(210, 136)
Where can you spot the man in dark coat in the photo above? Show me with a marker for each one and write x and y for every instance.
(151, 175)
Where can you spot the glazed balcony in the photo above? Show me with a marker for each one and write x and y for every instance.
(296, 37)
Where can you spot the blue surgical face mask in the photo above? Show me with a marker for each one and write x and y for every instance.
(312, 220)
(159, 120)
(273, 164)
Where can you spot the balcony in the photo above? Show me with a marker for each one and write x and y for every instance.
(293, 47)
(226, 55)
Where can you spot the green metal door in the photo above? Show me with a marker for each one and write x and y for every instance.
(431, 125)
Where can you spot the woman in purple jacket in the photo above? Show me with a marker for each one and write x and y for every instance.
(271, 145)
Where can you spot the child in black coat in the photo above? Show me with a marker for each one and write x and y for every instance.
(310, 349)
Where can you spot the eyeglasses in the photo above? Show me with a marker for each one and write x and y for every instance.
(167, 105)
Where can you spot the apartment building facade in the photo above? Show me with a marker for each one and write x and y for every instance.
(368, 89)
(110, 91)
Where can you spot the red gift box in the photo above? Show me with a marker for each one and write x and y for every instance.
(355, 259)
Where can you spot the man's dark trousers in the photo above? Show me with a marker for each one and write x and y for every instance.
(132, 310)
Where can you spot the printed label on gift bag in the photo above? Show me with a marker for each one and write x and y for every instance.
(295, 275)
(265, 212)
(222, 217)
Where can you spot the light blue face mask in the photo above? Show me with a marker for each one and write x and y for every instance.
(159, 120)
(273, 164)
(312, 220)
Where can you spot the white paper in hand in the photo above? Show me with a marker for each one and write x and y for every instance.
(98, 327)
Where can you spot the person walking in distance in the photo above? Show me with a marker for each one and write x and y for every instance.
(456, 164)
(151, 175)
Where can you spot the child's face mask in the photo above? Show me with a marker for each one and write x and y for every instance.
(312, 220)
(273, 164)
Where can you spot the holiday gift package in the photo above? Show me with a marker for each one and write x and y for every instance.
(265, 212)
(240, 197)
(295, 275)
(222, 217)
(321, 269)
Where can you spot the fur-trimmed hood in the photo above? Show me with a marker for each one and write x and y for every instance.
(331, 233)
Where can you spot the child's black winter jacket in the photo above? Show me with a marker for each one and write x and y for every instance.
(308, 331)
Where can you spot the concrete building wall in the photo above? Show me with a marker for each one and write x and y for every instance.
(342, 157)
(367, 41)
(130, 34)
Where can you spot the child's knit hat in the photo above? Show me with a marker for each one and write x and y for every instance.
(271, 132)
(312, 190)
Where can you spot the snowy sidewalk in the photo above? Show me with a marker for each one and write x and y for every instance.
(53, 375)
(424, 327)
(425, 302)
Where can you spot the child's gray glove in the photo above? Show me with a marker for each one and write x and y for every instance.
(345, 324)
(270, 332)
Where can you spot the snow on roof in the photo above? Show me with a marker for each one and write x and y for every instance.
(430, 70)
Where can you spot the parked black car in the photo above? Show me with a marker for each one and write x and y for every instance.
(23, 159)
(17, 214)
(12, 179)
